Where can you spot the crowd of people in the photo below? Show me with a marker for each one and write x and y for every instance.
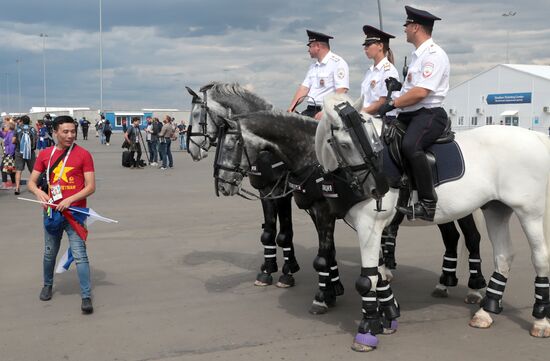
(158, 141)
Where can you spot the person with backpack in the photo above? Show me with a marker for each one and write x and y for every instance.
(107, 131)
(133, 138)
(25, 145)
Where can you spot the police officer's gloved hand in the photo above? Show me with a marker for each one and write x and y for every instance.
(393, 84)
(386, 107)
(390, 129)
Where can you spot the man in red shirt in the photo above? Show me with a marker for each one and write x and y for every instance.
(69, 183)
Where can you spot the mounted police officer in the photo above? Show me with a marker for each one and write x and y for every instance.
(373, 87)
(420, 102)
(330, 73)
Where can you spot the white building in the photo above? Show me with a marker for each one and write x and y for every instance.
(509, 94)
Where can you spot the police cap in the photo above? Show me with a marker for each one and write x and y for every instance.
(373, 35)
(315, 36)
(417, 16)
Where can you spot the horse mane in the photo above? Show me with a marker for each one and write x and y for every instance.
(219, 91)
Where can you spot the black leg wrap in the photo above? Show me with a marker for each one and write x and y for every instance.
(492, 302)
(326, 291)
(335, 280)
(541, 308)
(291, 266)
(476, 280)
(270, 251)
(388, 249)
(388, 305)
(371, 318)
(363, 284)
(448, 274)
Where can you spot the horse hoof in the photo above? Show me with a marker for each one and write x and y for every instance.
(263, 279)
(286, 281)
(391, 329)
(318, 308)
(440, 292)
(364, 342)
(480, 321)
(261, 284)
(473, 298)
(540, 329)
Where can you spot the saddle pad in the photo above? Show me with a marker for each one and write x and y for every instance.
(448, 166)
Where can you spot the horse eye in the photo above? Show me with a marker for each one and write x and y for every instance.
(346, 146)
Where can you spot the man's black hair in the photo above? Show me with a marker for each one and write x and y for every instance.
(61, 120)
(25, 119)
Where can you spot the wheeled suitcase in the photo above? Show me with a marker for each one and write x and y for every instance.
(126, 159)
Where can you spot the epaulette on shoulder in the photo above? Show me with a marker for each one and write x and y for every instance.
(433, 49)
(335, 58)
(387, 66)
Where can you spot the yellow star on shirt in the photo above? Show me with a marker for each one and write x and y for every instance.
(57, 170)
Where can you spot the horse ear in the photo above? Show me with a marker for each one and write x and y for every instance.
(358, 104)
(192, 92)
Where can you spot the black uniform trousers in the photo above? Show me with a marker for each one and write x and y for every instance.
(424, 126)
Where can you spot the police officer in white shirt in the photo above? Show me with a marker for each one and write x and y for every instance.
(373, 88)
(330, 73)
(420, 102)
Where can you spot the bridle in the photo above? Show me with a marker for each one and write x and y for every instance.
(366, 142)
(236, 167)
(208, 140)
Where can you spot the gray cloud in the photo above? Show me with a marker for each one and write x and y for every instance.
(152, 50)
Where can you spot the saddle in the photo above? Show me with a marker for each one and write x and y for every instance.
(444, 156)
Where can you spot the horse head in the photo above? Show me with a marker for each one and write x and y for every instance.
(231, 163)
(204, 120)
(337, 143)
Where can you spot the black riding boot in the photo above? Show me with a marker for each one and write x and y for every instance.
(425, 207)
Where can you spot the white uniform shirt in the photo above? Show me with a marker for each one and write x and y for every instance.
(374, 85)
(429, 69)
(325, 77)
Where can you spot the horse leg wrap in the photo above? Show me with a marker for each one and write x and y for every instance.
(448, 274)
(388, 249)
(492, 302)
(476, 280)
(541, 308)
(270, 251)
(371, 318)
(335, 279)
(284, 240)
(326, 292)
(388, 305)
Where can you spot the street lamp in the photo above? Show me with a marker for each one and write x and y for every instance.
(380, 15)
(18, 61)
(100, 60)
(509, 14)
(44, 36)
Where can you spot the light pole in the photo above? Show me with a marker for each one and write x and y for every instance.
(100, 60)
(509, 14)
(7, 93)
(18, 61)
(380, 15)
(44, 36)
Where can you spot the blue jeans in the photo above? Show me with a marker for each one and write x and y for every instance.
(153, 151)
(166, 153)
(78, 248)
(182, 142)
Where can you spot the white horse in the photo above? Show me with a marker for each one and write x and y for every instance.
(507, 170)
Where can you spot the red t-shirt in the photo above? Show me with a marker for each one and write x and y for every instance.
(79, 162)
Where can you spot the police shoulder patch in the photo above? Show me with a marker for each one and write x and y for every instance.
(427, 70)
(341, 73)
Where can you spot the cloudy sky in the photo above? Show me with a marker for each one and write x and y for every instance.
(153, 49)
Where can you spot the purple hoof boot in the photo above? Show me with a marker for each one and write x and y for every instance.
(366, 339)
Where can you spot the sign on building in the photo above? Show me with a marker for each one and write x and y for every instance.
(509, 98)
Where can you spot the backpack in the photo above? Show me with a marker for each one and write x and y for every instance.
(26, 134)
